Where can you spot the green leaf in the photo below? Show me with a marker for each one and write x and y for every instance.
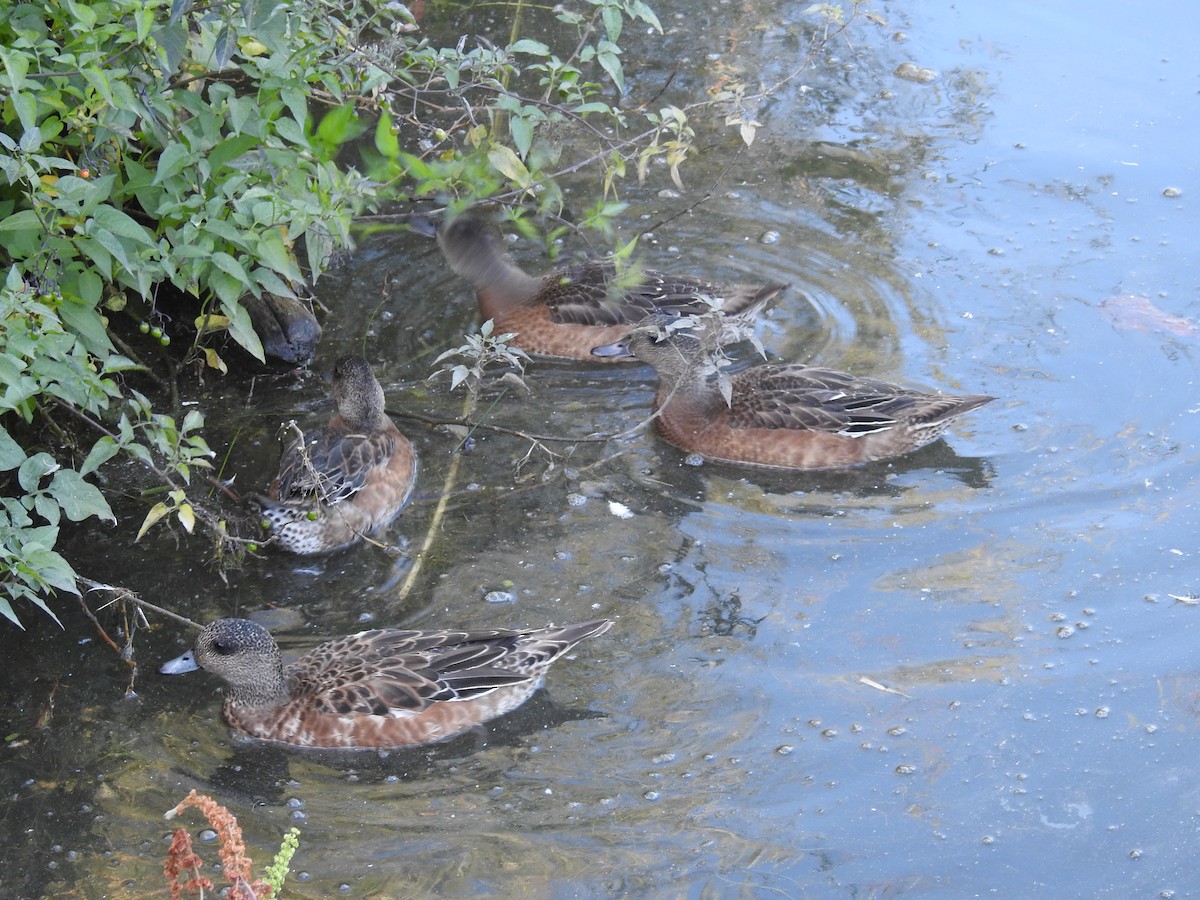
(297, 103)
(78, 498)
(16, 64)
(52, 569)
(171, 40)
(611, 63)
(272, 251)
(171, 162)
(121, 224)
(25, 220)
(337, 125)
(612, 22)
(34, 469)
(26, 106)
(241, 329)
(99, 82)
(534, 48)
(640, 10)
(31, 140)
(230, 266)
(224, 47)
(91, 287)
(6, 610)
(522, 134)
(229, 150)
(11, 453)
(115, 247)
(102, 451)
(386, 141)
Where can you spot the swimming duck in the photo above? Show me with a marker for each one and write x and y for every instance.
(376, 689)
(782, 416)
(568, 311)
(345, 480)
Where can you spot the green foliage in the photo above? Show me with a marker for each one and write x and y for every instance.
(481, 352)
(506, 123)
(278, 870)
(149, 145)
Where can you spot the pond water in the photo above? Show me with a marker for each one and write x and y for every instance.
(962, 673)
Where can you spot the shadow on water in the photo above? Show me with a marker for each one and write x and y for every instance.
(258, 774)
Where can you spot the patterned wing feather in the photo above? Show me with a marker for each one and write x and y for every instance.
(380, 672)
(331, 465)
(592, 293)
(805, 398)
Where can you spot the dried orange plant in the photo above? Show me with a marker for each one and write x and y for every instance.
(235, 865)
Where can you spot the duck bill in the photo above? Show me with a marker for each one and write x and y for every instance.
(179, 665)
(613, 351)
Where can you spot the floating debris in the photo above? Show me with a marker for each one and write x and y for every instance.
(1133, 312)
(912, 72)
(879, 687)
(620, 510)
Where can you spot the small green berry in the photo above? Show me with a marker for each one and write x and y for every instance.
(252, 547)
(313, 515)
(265, 524)
(165, 340)
(144, 327)
(155, 332)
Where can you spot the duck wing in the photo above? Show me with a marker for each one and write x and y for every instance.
(807, 398)
(395, 672)
(594, 293)
(331, 464)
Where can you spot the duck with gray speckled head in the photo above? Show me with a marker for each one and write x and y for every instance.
(380, 689)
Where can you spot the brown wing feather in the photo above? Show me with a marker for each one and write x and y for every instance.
(331, 465)
(806, 398)
(377, 672)
(592, 293)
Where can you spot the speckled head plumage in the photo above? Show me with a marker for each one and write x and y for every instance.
(358, 393)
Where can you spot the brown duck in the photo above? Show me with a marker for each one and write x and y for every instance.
(783, 416)
(346, 479)
(571, 310)
(378, 689)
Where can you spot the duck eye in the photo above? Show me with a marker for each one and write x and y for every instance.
(222, 649)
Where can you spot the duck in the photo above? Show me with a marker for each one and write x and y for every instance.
(344, 480)
(781, 416)
(566, 312)
(380, 689)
